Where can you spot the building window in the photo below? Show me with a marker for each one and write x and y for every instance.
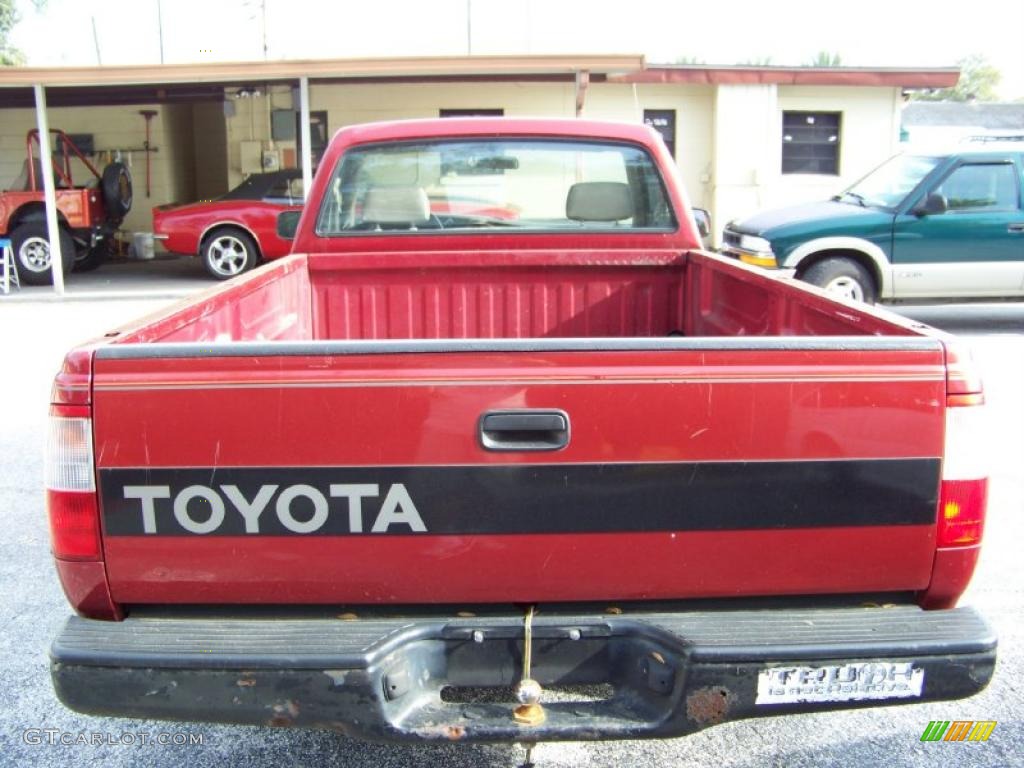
(472, 113)
(810, 142)
(318, 134)
(664, 122)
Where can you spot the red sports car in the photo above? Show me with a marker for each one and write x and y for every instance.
(234, 232)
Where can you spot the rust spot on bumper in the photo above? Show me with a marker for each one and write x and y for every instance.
(708, 706)
(284, 714)
(454, 732)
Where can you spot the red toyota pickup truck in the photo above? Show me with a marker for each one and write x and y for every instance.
(498, 423)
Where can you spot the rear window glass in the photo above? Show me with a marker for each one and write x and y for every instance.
(474, 185)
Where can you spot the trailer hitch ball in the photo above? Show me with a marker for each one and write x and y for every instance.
(528, 690)
(529, 711)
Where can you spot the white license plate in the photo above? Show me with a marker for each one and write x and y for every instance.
(861, 681)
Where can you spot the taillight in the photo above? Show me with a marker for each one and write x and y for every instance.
(70, 485)
(962, 512)
(964, 492)
(964, 488)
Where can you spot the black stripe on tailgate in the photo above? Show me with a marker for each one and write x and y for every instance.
(551, 498)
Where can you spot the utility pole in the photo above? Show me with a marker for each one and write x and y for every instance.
(160, 28)
(263, 16)
(96, 42)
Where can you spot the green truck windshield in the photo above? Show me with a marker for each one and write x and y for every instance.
(887, 185)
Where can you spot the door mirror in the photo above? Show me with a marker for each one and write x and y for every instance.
(932, 205)
(703, 219)
(287, 224)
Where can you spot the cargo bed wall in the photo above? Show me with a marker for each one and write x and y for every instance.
(724, 298)
(498, 295)
(270, 304)
(507, 294)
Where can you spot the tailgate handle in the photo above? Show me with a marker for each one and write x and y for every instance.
(524, 430)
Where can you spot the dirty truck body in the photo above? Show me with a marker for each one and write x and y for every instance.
(459, 439)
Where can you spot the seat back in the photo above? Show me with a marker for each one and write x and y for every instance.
(599, 201)
(407, 206)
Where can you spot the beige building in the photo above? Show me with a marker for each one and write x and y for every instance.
(744, 138)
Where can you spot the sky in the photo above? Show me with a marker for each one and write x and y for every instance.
(883, 33)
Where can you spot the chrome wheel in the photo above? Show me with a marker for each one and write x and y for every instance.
(847, 287)
(842, 276)
(34, 254)
(227, 256)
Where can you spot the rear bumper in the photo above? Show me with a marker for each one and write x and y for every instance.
(656, 674)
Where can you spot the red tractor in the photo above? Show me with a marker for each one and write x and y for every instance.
(88, 214)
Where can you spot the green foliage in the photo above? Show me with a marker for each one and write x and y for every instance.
(978, 82)
(762, 61)
(826, 60)
(9, 56)
(689, 61)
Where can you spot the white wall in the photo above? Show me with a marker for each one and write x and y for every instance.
(870, 134)
(694, 108)
(748, 143)
(747, 154)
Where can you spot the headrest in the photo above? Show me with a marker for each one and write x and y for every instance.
(599, 201)
(396, 205)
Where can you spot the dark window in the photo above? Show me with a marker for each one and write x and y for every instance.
(810, 142)
(283, 124)
(285, 190)
(664, 122)
(472, 113)
(317, 134)
(982, 187)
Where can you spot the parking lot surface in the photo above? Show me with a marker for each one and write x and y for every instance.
(37, 331)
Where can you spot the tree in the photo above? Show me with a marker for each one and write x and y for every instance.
(826, 60)
(689, 61)
(978, 81)
(9, 56)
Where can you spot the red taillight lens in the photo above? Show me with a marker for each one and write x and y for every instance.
(962, 512)
(71, 488)
(73, 525)
(964, 491)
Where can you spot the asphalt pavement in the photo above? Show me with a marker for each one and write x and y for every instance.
(35, 332)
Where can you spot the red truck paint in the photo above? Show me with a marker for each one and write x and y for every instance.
(310, 433)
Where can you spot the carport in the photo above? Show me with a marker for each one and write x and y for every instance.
(211, 83)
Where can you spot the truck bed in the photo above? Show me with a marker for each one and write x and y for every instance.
(701, 404)
(496, 295)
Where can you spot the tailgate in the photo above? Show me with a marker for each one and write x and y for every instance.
(368, 472)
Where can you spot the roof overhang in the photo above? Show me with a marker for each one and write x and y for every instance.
(945, 77)
(171, 83)
(315, 69)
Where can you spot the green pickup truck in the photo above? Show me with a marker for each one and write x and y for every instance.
(921, 226)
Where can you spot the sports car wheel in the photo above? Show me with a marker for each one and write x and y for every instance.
(228, 252)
